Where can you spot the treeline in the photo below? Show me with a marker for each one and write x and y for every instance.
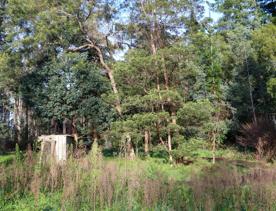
(185, 77)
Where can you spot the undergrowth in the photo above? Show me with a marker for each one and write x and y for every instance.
(93, 183)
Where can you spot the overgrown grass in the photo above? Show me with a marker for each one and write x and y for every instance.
(7, 158)
(46, 202)
(92, 182)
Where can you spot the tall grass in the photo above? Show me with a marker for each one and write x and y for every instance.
(225, 187)
(91, 183)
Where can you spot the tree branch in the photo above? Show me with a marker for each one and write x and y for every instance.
(83, 47)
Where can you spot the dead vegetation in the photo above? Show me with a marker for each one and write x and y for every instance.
(260, 136)
(253, 189)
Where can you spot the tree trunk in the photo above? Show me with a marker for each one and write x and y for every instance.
(64, 126)
(152, 43)
(147, 138)
(18, 119)
(129, 148)
(26, 125)
(173, 116)
(170, 145)
(95, 135)
(214, 148)
(74, 130)
(165, 73)
(110, 76)
(250, 91)
(158, 132)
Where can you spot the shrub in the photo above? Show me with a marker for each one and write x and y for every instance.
(159, 151)
(189, 150)
(260, 136)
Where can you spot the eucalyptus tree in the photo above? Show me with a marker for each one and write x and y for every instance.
(265, 68)
(159, 74)
(239, 19)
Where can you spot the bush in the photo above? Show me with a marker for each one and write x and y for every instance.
(260, 136)
(190, 150)
(159, 151)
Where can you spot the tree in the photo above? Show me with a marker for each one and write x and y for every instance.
(154, 110)
(268, 6)
(35, 34)
(55, 26)
(238, 12)
(69, 89)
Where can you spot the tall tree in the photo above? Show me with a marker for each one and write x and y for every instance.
(71, 26)
(67, 93)
(159, 74)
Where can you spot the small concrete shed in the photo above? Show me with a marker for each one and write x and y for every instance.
(55, 146)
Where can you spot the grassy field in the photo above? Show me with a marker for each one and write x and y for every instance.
(94, 182)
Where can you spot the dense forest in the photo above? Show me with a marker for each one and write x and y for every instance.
(181, 80)
(149, 74)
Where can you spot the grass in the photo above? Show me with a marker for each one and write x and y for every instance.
(97, 183)
(45, 202)
(7, 158)
(153, 165)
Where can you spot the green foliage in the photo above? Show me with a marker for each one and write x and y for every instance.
(265, 47)
(194, 116)
(160, 151)
(18, 153)
(191, 149)
(7, 159)
(28, 202)
(243, 12)
(221, 129)
(71, 88)
(5, 132)
(271, 87)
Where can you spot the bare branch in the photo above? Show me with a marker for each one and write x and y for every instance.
(83, 47)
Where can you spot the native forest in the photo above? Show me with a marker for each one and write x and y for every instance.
(132, 105)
